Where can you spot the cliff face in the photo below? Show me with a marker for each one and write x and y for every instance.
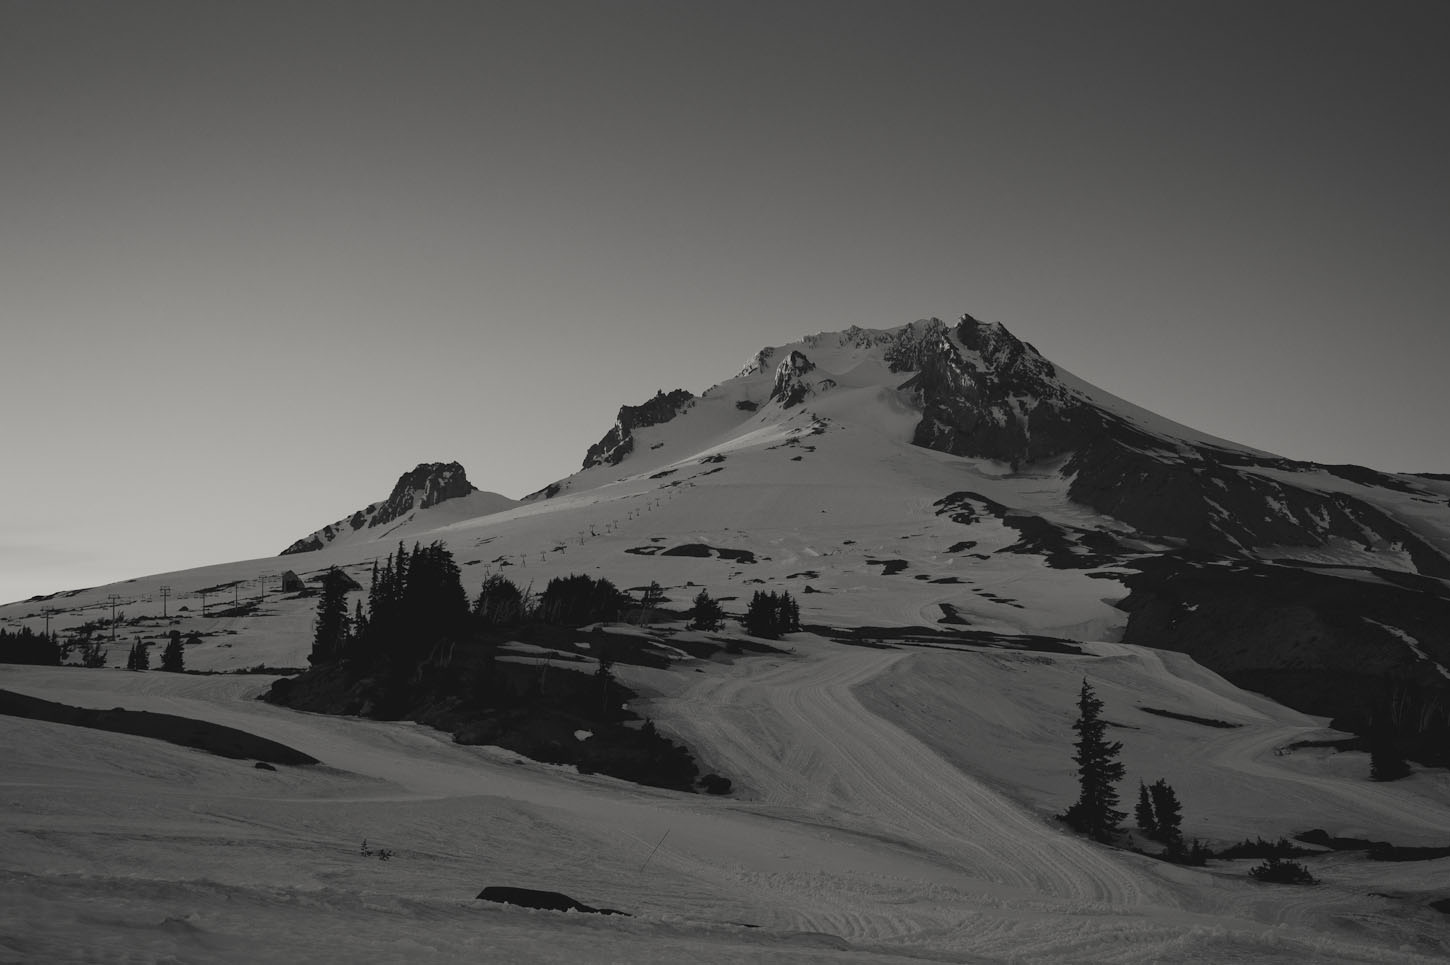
(618, 442)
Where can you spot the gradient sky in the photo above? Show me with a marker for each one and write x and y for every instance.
(258, 259)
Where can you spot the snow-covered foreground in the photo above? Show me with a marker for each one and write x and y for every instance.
(891, 805)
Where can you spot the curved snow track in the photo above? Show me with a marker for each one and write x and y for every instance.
(848, 839)
(800, 740)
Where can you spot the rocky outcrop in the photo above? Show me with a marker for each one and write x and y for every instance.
(618, 442)
(427, 485)
(989, 395)
(791, 387)
(1310, 638)
(1216, 501)
(422, 487)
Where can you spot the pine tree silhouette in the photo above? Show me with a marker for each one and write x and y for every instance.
(1098, 768)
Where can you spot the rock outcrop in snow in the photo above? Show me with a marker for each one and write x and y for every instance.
(618, 442)
(423, 487)
(791, 387)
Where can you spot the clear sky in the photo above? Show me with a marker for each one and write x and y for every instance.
(258, 259)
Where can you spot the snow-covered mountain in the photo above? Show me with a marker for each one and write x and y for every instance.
(969, 530)
(413, 506)
(1308, 581)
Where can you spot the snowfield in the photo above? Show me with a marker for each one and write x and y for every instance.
(892, 802)
(894, 807)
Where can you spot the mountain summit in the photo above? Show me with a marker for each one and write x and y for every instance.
(1291, 577)
(421, 488)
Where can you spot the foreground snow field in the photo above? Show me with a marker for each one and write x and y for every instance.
(891, 802)
(892, 806)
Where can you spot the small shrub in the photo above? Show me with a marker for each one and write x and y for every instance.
(1259, 848)
(715, 784)
(1282, 872)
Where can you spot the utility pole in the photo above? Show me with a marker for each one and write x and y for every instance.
(237, 593)
(165, 592)
(47, 612)
(202, 594)
(113, 597)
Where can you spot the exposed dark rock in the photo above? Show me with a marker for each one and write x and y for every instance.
(995, 397)
(429, 484)
(909, 350)
(1321, 641)
(544, 900)
(426, 485)
(790, 387)
(618, 442)
(1190, 718)
(704, 551)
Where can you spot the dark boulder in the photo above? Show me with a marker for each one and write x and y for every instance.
(543, 900)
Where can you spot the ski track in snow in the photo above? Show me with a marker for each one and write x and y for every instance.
(850, 840)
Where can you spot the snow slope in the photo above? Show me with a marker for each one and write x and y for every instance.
(892, 803)
(853, 840)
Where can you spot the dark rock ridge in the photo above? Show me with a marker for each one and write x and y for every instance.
(427, 485)
(984, 393)
(790, 387)
(1217, 529)
(618, 442)
(1342, 643)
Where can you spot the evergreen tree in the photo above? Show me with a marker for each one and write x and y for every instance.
(1168, 812)
(604, 680)
(1143, 813)
(1098, 771)
(93, 655)
(500, 603)
(706, 613)
(1386, 763)
(140, 656)
(575, 600)
(790, 614)
(330, 632)
(173, 659)
(760, 615)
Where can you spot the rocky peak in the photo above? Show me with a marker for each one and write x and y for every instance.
(985, 393)
(910, 347)
(618, 442)
(428, 484)
(757, 363)
(790, 385)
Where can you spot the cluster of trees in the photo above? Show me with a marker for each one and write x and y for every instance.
(1158, 813)
(1095, 813)
(27, 646)
(139, 658)
(416, 606)
(772, 614)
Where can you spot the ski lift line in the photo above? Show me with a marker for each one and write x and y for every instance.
(654, 849)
